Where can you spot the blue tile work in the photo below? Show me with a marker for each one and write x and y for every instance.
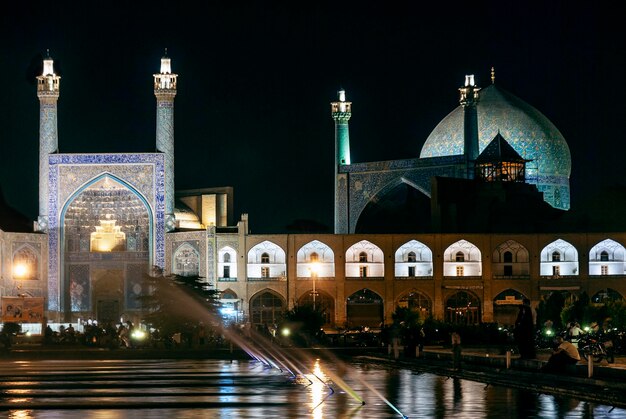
(195, 239)
(48, 143)
(526, 129)
(165, 144)
(341, 203)
(68, 173)
(367, 180)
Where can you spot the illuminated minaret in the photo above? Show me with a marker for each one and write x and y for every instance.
(165, 91)
(341, 112)
(469, 100)
(48, 93)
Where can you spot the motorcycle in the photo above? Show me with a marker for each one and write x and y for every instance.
(596, 348)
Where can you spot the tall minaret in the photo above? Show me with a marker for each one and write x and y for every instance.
(48, 93)
(341, 112)
(469, 100)
(165, 91)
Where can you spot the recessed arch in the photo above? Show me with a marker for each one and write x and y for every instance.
(559, 258)
(186, 260)
(506, 306)
(364, 259)
(413, 259)
(463, 307)
(266, 260)
(416, 301)
(25, 263)
(323, 302)
(462, 258)
(105, 215)
(315, 259)
(364, 308)
(401, 206)
(267, 307)
(510, 259)
(607, 258)
(227, 264)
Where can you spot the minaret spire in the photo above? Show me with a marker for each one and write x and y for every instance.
(165, 92)
(341, 111)
(469, 100)
(493, 75)
(48, 85)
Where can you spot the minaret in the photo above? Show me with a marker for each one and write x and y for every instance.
(48, 93)
(341, 112)
(469, 100)
(165, 91)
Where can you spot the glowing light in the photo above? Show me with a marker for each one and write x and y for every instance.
(20, 270)
(138, 334)
(285, 332)
(48, 67)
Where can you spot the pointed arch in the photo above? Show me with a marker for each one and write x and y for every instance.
(506, 306)
(324, 302)
(416, 301)
(413, 259)
(462, 258)
(510, 259)
(315, 258)
(267, 307)
(186, 260)
(364, 308)
(266, 260)
(463, 307)
(400, 206)
(25, 262)
(607, 258)
(227, 264)
(559, 258)
(374, 265)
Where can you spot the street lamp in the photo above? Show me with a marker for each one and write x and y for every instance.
(314, 268)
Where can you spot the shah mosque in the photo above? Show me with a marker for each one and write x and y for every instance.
(105, 219)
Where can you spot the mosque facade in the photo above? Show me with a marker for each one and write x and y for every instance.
(105, 219)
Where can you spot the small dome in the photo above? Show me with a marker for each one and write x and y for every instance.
(526, 129)
(186, 218)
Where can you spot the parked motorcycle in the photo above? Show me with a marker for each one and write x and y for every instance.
(596, 348)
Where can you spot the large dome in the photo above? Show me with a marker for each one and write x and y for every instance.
(526, 129)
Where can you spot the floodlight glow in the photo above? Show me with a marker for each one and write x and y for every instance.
(227, 311)
(20, 270)
(138, 334)
(285, 332)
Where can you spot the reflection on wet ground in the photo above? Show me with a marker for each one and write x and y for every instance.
(221, 389)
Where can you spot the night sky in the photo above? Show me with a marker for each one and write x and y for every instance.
(255, 82)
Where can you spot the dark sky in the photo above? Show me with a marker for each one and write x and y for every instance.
(255, 82)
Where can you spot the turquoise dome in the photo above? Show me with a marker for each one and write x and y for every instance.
(526, 129)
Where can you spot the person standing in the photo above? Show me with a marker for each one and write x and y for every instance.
(525, 331)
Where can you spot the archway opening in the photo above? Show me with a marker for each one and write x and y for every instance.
(364, 309)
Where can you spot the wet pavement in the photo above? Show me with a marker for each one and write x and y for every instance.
(183, 388)
(479, 364)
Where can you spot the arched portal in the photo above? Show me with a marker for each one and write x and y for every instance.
(506, 306)
(463, 308)
(364, 308)
(418, 302)
(266, 308)
(607, 295)
(107, 230)
(324, 302)
(398, 209)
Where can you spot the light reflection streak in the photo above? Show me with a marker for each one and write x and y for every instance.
(20, 414)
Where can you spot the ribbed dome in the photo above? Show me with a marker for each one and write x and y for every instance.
(526, 129)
